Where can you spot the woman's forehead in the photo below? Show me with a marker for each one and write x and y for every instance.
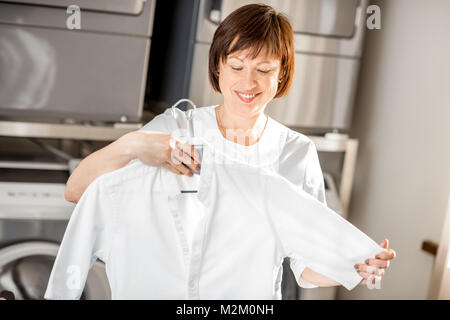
(263, 56)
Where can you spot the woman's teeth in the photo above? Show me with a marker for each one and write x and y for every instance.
(247, 96)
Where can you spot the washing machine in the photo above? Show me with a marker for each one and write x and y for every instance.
(33, 219)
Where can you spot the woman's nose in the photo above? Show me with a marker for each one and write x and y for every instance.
(250, 80)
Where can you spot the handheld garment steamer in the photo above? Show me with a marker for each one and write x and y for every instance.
(190, 133)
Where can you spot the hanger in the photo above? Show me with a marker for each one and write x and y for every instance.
(190, 129)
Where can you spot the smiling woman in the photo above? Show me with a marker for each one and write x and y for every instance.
(251, 30)
(251, 62)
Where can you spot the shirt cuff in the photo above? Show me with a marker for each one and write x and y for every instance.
(297, 268)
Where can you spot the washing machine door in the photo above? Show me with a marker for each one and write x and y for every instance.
(25, 269)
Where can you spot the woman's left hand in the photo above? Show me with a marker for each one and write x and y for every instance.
(374, 268)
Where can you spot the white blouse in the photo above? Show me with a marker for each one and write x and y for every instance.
(286, 152)
(248, 219)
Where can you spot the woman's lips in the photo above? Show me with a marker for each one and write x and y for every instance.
(246, 98)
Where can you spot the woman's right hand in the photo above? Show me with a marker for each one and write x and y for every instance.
(151, 148)
(165, 150)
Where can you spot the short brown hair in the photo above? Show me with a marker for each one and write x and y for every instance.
(255, 27)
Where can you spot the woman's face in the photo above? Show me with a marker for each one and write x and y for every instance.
(248, 84)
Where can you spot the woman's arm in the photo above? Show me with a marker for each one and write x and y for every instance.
(318, 279)
(152, 148)
(372, 270)
(114, 156)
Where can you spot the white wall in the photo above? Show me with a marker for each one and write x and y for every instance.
(402, 118)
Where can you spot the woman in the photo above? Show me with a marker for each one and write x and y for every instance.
(251, 62)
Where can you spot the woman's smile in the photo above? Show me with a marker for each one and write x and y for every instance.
(247, 97)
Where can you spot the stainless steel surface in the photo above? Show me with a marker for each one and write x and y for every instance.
(115, 6)
(96, 73)
(327, 61)
(54, 73)
(336, 17)
(321, 95)
(33, 165)
(64, 131)
(102, 21)
(35, 201)
(318, 17)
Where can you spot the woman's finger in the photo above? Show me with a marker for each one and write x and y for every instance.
(184, 170)
(386, 255)
(372, 270)
(177, 165)
(171, 168)
(369, 269)
(378, 263)
(179, 156)
(372, 281)
(369, 278)
(191, 152)
(179, 169)
(365, 275)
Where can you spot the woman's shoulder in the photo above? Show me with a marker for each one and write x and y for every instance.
(293, 139)
(171, 119)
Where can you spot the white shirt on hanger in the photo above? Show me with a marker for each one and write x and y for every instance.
(280, 149)
(249, 219)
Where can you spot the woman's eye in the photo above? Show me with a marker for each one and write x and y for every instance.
(264, 71)
(237, 69)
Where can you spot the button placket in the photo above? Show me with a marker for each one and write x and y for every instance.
(173, 205)
(196, 259)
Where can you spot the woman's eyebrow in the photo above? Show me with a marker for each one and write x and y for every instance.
(236, 58)
(266, 61)
(269, 62)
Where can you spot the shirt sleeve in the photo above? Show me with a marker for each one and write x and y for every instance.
(311, 232)
(171, 121)
(312, 182)
(158, 124)
(87, 237)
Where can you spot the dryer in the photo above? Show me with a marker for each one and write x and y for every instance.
(33, 218)
(97, 72)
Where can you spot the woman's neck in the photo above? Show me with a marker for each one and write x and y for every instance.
(240, 129)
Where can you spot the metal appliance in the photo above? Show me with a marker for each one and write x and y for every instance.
(328, 38)
(95, 73)
(33, 218)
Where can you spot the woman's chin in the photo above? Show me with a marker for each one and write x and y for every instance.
(246, 107)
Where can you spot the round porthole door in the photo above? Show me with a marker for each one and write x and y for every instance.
(25, 268)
